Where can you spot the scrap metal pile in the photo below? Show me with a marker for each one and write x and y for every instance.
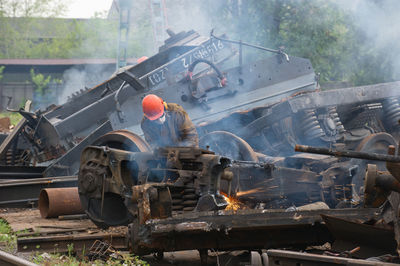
(181, 198)
(245, 187)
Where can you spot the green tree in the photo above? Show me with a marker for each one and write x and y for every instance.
(314, 29)
(40, 81)
(20, 20)
(1, 72)
(33, 8)
(30, 29)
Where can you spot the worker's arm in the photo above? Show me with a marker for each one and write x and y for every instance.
(148, 136)
(187, 131)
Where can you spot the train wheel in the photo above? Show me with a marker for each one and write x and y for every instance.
(229, 145)
(109, 209)
(374, 143)
(124, 140)
(255, 259)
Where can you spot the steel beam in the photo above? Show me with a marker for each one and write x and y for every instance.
(25, 193)
(247, 229)
(21, 172)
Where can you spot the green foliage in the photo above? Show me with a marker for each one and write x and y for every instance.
(22, 26)
(7, 238)
(59, 259)
(5, 230)
(33, 8)
(30, 29)
(315, 29)
(1, 72)
(14, 117)
(70, 248)
(40, 81)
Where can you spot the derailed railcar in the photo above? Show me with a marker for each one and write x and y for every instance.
(208, 76)
(249, 116)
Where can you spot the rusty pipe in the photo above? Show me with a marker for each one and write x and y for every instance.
(59, 201)
(382, 179)
(347, 153)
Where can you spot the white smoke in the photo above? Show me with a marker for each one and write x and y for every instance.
(76, 79)
(378, 20)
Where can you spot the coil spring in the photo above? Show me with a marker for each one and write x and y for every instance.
(310, 125)
(391, 108)
(19, 157)
(335, 116)
(184, 200)
(343, 192)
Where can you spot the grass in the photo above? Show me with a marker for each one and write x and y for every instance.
(61, 260)
(14, 117)
(8, 240)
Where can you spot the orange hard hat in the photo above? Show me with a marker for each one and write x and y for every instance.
(140, 60)
(153, 106)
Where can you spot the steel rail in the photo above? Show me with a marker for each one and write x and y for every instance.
(61, 243)
(9, 259)
(24, 193)
(21, 172)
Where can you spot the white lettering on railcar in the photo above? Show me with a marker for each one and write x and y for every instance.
(201, 52)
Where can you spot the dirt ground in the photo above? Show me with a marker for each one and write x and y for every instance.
(30, 219)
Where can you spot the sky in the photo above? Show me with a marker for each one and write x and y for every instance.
(86, 8)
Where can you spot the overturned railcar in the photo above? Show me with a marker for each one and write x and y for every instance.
(208, 76)
(247, 176)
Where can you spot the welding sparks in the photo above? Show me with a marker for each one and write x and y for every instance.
(233, 203)
(247, 192)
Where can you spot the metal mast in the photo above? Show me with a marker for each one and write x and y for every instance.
(159, 21)
(124, 8)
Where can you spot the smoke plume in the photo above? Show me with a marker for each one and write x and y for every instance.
(76, 78)
(378, 20)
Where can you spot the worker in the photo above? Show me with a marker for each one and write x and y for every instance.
(167, 124)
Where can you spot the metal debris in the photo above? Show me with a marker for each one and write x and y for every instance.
(103, 251)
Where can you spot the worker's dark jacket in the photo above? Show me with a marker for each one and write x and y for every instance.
(177, 130)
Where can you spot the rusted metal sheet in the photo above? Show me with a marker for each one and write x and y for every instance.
(373, 240)
(59, 201)
(244, 229)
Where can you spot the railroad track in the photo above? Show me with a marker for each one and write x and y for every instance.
(9, 259)
(60, 243)
(24, 193)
